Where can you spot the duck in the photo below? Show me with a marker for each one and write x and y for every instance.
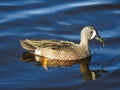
(63, 50)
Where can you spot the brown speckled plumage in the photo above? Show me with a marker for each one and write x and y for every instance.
(29, 57)
(58, 50)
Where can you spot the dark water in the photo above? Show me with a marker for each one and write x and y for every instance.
(58, 19)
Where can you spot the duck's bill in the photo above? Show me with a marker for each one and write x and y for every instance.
(101, 40)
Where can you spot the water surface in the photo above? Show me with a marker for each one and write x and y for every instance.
(62, 20)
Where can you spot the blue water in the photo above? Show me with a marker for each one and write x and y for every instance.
(63, 20)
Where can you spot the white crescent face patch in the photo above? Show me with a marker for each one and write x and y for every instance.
(93, 34)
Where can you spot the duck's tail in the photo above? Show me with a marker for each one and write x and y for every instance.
(27, 45)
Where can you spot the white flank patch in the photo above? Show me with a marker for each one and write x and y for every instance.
(94, 34)
(37, 52)
(37, 58)
(93, 75)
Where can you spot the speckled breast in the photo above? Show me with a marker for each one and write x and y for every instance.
(28, 57)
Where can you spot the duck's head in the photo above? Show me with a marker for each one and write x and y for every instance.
(88, 33)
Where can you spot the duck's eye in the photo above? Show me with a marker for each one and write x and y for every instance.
(91, 32)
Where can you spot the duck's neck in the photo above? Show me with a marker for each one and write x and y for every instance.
(84, 43)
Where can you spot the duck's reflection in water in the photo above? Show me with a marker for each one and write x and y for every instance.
(84, 65)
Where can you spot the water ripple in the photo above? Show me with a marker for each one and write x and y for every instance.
(19, 3)
(47, 10)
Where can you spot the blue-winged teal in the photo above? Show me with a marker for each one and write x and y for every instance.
(63, 50)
